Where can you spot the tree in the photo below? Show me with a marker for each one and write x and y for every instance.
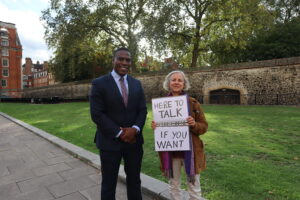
(67, 22)
(120, 20)
(80, 60)
(277, 41)
(285, 10)
(66, 34)
(281, 41)
(188, 28)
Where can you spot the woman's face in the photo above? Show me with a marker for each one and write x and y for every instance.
(176, 83)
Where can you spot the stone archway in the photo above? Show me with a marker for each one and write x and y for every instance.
(224, 96)
(219, 87)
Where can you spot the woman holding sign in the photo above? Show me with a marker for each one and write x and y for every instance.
(176, 83)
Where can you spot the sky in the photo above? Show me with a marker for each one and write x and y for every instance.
(25, 14)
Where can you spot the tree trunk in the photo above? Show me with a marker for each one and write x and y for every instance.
(133, 48)
(195, 55)
(195, 50)
(133, 51)
(133, 61)
(196, 47)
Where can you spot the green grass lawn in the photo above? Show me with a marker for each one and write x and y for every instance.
(253, 152)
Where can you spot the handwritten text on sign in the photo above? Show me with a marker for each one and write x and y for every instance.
(172, 138)
(170, 109)
(172, 131)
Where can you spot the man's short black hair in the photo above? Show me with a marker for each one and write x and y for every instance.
(120, 49)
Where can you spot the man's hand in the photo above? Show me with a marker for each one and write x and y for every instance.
(153, 125)
(128, 135)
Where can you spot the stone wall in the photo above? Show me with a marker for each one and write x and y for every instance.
(73, 90)
(264, 82)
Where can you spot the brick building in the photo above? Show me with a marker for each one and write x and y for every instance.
(10, 61)
(36, 75)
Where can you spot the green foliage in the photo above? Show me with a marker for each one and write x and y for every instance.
(84, 34)
(194, 33)
(284, 10)
(189, 28)
(85, 59)
(280, 41)
(78, 55)
(252, 151)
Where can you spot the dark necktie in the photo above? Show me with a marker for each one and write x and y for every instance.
(124, 91)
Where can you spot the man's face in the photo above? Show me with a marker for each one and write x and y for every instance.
(122, 62)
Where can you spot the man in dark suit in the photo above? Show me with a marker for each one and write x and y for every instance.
(118, 108)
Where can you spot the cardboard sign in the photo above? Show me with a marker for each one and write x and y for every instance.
(172, 131)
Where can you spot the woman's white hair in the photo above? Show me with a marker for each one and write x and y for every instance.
(166, 84)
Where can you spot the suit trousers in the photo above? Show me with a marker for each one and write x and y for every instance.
(110, 164)
(194, 190)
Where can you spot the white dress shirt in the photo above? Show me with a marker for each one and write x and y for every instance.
(117, 80)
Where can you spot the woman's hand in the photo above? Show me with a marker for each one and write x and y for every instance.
(191, 121)
(153, 125)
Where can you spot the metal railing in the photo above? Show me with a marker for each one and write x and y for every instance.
(250, 99)
(231, 99)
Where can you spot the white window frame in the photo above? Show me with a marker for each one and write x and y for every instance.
(4, 81)
(4, 52)
(4, 74)
(3, 62)
(3, 34)
(5, 42)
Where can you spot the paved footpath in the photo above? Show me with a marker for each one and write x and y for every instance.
(32, 168)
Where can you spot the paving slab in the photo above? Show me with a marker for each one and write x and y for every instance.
(5, 146)
(41, 194)
(70, 186)
(21, 175)
(40, 171)
(3, 170)
(9, 190)
(28, 166)
(77, 172)
(37, 183)
(93, 193)
(73, 196)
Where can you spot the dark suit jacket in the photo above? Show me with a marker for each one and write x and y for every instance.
(109, 113)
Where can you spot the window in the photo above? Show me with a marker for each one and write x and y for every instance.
(3, 83)
(3, 33)
(18, 43)
(5, 62)
(5, 72)
(4, 42)
(5, 52)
